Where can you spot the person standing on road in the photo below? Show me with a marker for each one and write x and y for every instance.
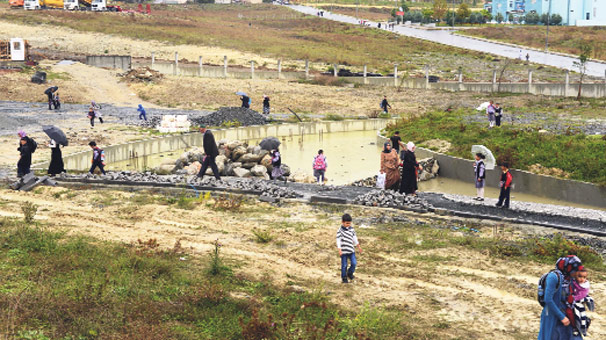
(557, 318)
(319, 166)
(142, 113)
(389, 167)
(505, 184)
(527, 57)
(385, 105)
(498, 113)
(49, 93)
(480, 171)
(96, 111)
(490, 111)
(265, 104)
(98, 158)
(56, 165)
(211, 152)
(410, 169)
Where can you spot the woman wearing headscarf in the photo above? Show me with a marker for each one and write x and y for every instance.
(389, 166)
(410, 168)
(557, 318)
(56, 164)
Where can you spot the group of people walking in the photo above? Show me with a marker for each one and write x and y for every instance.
(392, 160)
(247, 102)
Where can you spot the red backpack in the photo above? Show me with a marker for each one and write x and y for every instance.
(320, 162)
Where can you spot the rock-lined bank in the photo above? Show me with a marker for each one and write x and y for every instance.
(430, 171)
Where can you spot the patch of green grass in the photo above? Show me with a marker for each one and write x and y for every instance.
(262, 236)
(521, 146)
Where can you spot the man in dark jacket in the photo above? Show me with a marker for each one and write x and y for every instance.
(385, 105)
(211, 152)
(25, 161)
(49, 93)
(245, 101)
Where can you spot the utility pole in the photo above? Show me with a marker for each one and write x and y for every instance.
(453, 13)
(547, 34)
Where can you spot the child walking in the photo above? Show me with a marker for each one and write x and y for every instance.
(480, 171)
(581, 299)
(346, 243)
(505, 184)
(319, 166)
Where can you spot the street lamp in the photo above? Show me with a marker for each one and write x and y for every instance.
(453, 13)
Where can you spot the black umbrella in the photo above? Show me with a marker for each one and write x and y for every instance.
(56, 134)
(270, 143)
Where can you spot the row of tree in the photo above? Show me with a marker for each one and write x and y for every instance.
(463, 15)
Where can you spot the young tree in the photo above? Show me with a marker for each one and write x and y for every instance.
(582, 64)
(427, 14)
(499, 18)
(439, 9)
(556, 19)
(463, 12)
(486, 14)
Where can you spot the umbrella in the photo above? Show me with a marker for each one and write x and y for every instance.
(269, 143)
(240, 93)
(490, 162)
(483, 106)
(56, 134)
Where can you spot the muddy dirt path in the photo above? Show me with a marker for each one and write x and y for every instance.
(456, 287)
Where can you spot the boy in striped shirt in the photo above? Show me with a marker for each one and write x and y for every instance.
(346, 242)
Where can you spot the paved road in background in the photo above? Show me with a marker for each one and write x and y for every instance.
(445, 37)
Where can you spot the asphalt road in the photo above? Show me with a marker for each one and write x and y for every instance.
(446, 37)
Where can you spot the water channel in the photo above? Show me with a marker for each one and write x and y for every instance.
(350, 156)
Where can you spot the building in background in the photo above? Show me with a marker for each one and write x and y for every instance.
(573, 12)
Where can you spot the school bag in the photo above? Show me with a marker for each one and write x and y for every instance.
(32, 144)
(543, 286)
(319, 163)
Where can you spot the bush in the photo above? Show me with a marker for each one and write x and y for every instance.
(499, 18)
(216, 266)
(262, 236)
(29, 210)
(229, 202)
(532, 18)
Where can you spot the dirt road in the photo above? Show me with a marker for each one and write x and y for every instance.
(466, 293)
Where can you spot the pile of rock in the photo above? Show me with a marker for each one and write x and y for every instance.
(231, 116)
(430, 170)
(142, 74)
(391, 199)
(235, 159)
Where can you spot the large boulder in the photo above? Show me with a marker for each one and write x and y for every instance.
(249, 157)
(266, 162)
(258, 170)
(232, 145)
(285, 170)
(220, 161)
(301, 177)
(196, 154)
(193, 168)
(164, 169)
(257, 150)
(228, 170)
(263, 153)
(238, 152)
(248, 165)
(250, 149)
(241, 172)
(184, 157)
(236, 164)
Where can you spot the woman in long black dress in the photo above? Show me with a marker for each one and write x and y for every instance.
(56, 165)
(410, 168)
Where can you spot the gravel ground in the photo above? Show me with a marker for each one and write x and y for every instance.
(549, 122)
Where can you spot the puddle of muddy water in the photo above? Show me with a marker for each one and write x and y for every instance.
(350, 156)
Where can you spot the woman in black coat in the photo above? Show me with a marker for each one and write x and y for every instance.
(25, 161)
(56, 164)
(410, 168)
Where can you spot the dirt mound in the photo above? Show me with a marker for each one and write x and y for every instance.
(542, 170)
(142, 74)
(231, 116)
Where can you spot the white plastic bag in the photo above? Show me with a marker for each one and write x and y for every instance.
(381, 181)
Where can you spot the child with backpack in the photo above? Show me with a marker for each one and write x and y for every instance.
(98, 158)
(319, 166)
(346, 243)
(505, 185)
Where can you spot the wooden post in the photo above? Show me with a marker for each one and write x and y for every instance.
(153, 59)
(567, 83)
(365, 75)
(460, 76)
(200, 66)
(494, 80)
(225, 66)
(334, 69)
(176, 69)
(279, 68)
(529, 81)
(395, 75)
(306, 69)
(252, 69)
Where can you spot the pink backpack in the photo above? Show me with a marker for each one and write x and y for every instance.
(319, 162)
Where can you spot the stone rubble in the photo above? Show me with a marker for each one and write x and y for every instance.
(430, 171)
(391, 199)
(234, 116)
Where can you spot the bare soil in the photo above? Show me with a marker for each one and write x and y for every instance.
(460, 291)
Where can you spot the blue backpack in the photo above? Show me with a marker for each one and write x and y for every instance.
(542, 287)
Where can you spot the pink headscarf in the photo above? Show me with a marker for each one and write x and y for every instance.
(21, 133)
